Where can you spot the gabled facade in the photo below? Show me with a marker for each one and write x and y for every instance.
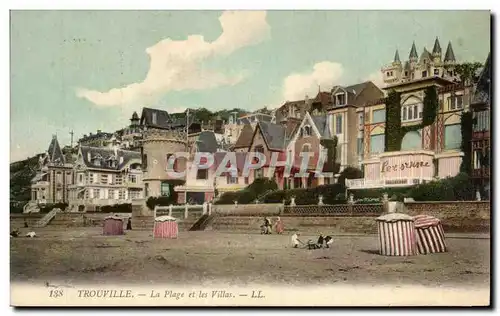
(54, 176)
(307, 138)
(481, 138)
(105, 176)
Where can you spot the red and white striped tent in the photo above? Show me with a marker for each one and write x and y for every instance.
(396, 233)
(165, 227)
(113, 225)
(430, 234)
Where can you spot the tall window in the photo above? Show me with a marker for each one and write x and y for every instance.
(411, 112)
(165, 188)
(338, 153)
(377, 143)
(306, 131)
(360, 147)
(97, 193)
(424, 73)
(132, 178)
(111, 194)
(361, 121)
(231, 179)
(118, 179)
(154, 118)
(482, 122)
(338, 124)
(436, 72)
(378, 116)
(104, 178)
(259, 173)
(455, 102)
(202, 174)
(80, 178)
(452, 136)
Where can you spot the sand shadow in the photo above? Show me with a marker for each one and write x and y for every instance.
(371, 251)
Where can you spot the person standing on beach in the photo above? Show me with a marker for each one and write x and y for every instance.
(279, 226)
(129, 223)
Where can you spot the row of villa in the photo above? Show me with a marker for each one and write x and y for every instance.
(131, 165)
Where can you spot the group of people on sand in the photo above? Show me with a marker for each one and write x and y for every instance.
(17, 232)
(323, 241)
(267, 226)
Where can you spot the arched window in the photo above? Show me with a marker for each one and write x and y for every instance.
(306, 131)
(306, 148)
(411, 141)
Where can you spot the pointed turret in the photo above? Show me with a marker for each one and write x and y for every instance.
(396, 58)
(54, 152)
(436, 51)
(449, 57)
(413, 53)
(135, 119)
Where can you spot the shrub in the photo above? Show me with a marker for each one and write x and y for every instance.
(117, 208)
(255, 190)
(463, 187)
(330, 192)
(440, 190)
(152, 201)
(49, 207)
(349, 173)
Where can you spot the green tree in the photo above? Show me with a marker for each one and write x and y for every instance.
(467, 72)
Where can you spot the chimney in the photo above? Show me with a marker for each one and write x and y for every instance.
(99, 131)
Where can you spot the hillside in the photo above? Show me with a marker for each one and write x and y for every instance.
(21, 173)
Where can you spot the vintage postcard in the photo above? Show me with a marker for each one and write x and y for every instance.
(250, 158)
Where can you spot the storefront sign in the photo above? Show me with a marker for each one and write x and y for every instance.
(406, 165)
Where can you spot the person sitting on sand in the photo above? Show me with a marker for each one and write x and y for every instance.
(15, 233)
(31, 234)
(328, 241)
(296, 240)
(25, 223)
(321, 239)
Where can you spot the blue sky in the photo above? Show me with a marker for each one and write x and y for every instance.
(64, 63)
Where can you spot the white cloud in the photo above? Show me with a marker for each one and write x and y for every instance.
(176, 65)
(325, 74)
(376, 78)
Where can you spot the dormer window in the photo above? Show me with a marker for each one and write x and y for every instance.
(436, 72)
(97, 162)
(340, 99)
(154, 118)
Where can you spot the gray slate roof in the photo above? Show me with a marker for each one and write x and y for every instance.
(321, 122)
(413, 51)
(163, 119)
(55, 153)
(483, 86)
(450, 55)
(106, 155)
(206, 142)
(437, 47)
(273, 134)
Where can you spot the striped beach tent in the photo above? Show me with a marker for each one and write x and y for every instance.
(396, 233)
(165, 227)
(430, 234)
(113, 225)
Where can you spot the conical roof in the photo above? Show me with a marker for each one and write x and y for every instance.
(135, 116)
(396, 57)
(55, 153)
(450, 55)
(437, 47)
(413, 52)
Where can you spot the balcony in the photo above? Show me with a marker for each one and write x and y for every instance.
(483, 172)
(134, 185)
(354, 184)
(40, 184)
